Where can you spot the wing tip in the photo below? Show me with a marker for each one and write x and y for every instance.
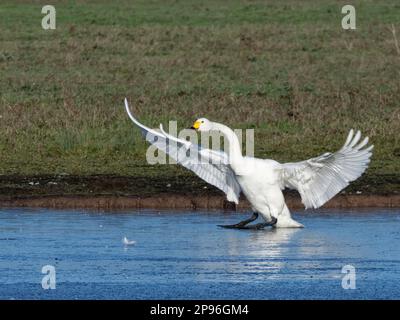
(349, 138)
(163, 131)
(127, 108)
(126, 103)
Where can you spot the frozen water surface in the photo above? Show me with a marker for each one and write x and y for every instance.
(184, 255)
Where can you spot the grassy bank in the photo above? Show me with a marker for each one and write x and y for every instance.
(285, 68)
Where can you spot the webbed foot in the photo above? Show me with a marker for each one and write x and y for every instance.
(241, 224)
(244, 224)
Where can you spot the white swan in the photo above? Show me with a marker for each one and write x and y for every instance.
(262, 180)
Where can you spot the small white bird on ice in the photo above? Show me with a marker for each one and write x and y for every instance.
(128, 242)
(262, 180)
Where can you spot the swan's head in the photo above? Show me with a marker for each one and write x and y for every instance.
(202, 124)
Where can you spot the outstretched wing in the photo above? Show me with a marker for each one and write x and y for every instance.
(210, 165)
(321, 178)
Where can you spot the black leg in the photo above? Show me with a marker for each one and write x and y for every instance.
(259, 226)
(244, 224)
(241, 224)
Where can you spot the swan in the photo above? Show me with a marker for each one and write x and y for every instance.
(263, 180)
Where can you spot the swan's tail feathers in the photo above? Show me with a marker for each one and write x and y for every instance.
(285, 220)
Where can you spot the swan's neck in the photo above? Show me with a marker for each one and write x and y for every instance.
(235, 153)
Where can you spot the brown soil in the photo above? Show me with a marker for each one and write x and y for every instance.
(172, 201)
(183, 192)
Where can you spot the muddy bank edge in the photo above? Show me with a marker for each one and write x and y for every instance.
(178, 192)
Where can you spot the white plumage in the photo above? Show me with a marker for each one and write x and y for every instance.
(262, 180)
(218, 172)
(128, 242)
(321, 178)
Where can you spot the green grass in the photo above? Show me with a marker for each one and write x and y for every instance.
(285, 68)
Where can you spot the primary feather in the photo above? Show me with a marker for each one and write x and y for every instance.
(319, 179)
